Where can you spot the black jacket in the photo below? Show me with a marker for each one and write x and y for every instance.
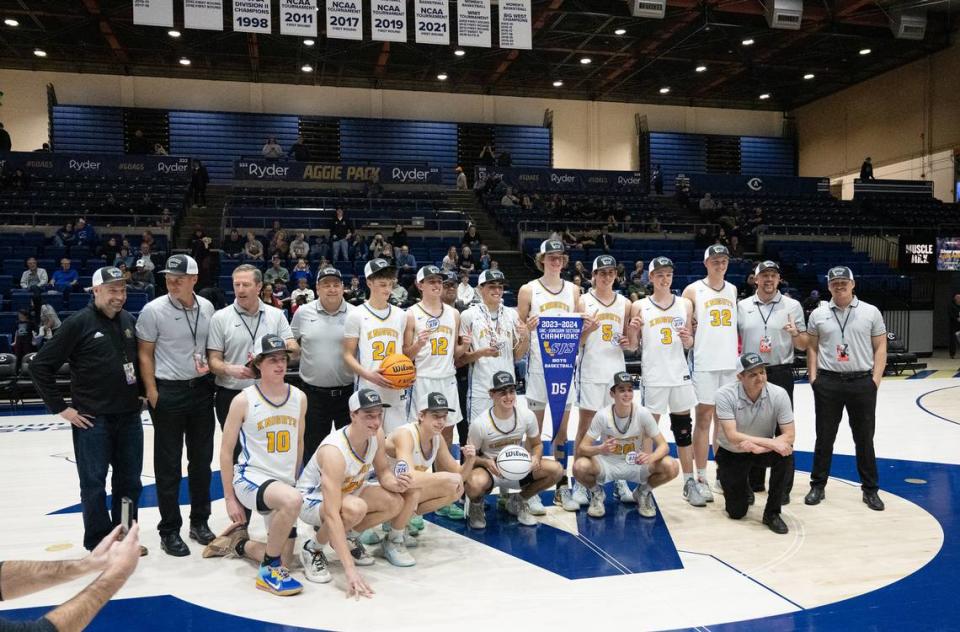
(96, 348)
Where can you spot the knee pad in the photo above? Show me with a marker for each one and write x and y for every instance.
(682, 428)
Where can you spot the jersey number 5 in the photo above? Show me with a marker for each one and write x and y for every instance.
(278, 441)
(720, 317)
(606, 332)
(383, 349)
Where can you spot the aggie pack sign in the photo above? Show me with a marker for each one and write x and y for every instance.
(325, 172)
(59, 165)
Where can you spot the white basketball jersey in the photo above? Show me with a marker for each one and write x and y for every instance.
(377, 338)
(662, 359)
(543, 302)
(435, 359)
(421, 462)
(356, 468)
(269, 436)
(628, 433)
(602, 355)
(482, 326)
(715, 343)
(491, 435)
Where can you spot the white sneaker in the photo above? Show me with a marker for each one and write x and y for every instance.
(314, 564)
(396, 552)
(705, 492)
(360, 555)
(596, 508)
(513, 504)
(523, 514)
(475, 515)
(580, 494)
(644, 499)
(535, 505)
(716, 486)
(691, 493)
(621, 491)
(564, 498)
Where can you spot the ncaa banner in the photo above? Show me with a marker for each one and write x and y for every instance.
(432, 21)
(251, 16)
(516, 24)
(153, 12)
(299, 18)
(345, 19)
(388, 20)
(203, 14)
(559, 340)
(473, 23)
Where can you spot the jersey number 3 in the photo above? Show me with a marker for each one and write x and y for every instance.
(278, 441)
(383, 349)
(720, 317)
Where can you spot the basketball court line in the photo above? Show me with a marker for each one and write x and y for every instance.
(747, 575)
(919, 403)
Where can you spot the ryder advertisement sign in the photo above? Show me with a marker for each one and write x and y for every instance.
(324, 172)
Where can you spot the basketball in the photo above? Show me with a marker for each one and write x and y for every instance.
(514, 462)
(399, 370)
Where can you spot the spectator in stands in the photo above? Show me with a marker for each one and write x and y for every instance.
(406, 266)
(479, 186)
(372, 188)
(340, 234)
(166, 219)
(466, 293)
(126, 257)
(49, 324)
(23, 335)
(735, 247)
(267, 296)
(139, 144)
(108, 251)
(272, 233)
(866, 170)
(398, 238)
(451, 261)
(484, 258)
(320, 248)
(357, 247)
(578, 268)
(253, 249)
(570, 240)
(303, 290)
(20, 180)
(281, 295)
(509, 200)
(65, 237)
(707, 205)
(387, 254)
(159, 150)
(399, 296)
(281, 247)
(487, 157)
(640, 277)
(36, 280)
(276, 272)
(703, 239)
(526, 202)
(45, 148)
(141, 279)
(461, 179)
(232, 246)
(299, 151)
(376, 247)
(300, 271)
(66, 279)
(657, 180)
(471, 237)
(577, 281)
(198, 184)
(811, 303)
(467, 263)
(86, 235)
(354, 293)
(605, 239)
(146, 256)
(299, 248)
(200, 251)
(621, 276)
(272, 149)
(653, 225)
(5, 143)
(494, 265)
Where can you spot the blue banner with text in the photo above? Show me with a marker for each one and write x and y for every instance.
(559, 340)
(290, 171)
(570, 180)
(49, 164)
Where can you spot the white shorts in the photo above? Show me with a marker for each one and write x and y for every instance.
(591, 396)
(617, 469)
(707, 383)
(417, 399)
(247, 486)
(537, 392)
(311, 512)
(661, 400)
(478, 402)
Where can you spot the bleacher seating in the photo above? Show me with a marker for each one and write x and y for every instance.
(808, 262)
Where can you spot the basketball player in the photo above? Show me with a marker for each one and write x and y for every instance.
(606, 315)
(337, 498)
(665, 322)
(494, 338)
(506, 424)
(621, 429)
(268, 417)
(715, 350)
(372, 332)
(549, 295)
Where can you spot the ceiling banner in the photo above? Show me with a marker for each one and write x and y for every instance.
(203, 14)
(153, 12)
(345, 19)
(299, 17)
(251, 16)
(388, 20)
(473, 23)
(516, 24)
(432, 22)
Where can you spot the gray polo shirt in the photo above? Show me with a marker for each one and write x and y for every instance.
(320, 335)
(756, 320)
(178, 332)
(757, 419)
(859, 322)
(233, 331)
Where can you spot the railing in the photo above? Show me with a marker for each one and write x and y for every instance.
(34, 219)
(665, 228)
(325, 203)
(323, 223)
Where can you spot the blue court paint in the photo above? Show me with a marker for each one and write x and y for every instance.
(930, 412)
(919, 375)
(148, 496)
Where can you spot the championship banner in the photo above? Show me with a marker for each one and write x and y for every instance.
(432, 22)
(559, 340)
(473, 23)
(345, 19)
(277, 170)
(388, 20)
(299, 17)
(203, 14)
(153, 12)
(516, 24)
(82, 164)
(251, 16)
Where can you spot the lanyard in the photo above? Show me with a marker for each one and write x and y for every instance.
(253, 334)
(186, 316)
(844, 325)
(773, 306)
(490, 319)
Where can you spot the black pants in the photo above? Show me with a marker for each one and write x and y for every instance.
(327, 408)
(733, 469)
(463, 386)
(831, 393)
(782, 376)
(223, 399)
(953, 340)
(200, 195)
(184, 414)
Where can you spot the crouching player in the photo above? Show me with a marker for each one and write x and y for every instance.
(621, 429)
(338, 500)
(504, 425)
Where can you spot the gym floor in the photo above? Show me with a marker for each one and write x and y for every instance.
(841, 565)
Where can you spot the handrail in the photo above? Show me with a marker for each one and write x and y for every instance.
(770, 231)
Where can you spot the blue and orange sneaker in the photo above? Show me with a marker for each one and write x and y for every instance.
(276, 580)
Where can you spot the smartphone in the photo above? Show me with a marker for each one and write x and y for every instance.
(125, 505)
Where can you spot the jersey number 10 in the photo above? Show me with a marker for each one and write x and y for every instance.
(278, 441)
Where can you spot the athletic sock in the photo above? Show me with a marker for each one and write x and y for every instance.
(687, 476)
(396, 535)
(268, 560)
(702, 474)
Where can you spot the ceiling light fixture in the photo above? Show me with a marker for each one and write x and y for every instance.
(665, 90)
(40, 52)
(747, 42)
(764, 96)
(306, 68)
(585, 60)
(308, 42)
(459, 52)
(173, 33)
(184, 61)
(558, 83)
(11, 22)
(865, 51)
(442, 76)
(701, 68)
(620, 32)
(809, 76)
